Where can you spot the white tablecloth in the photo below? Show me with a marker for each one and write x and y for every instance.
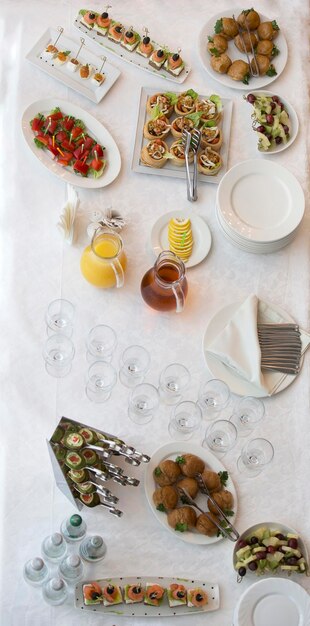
(37, 268)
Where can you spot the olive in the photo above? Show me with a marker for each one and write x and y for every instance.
(181, 594)
(175, 57)
(110, 589)
(278, 140)
(160, 53)
(252, 566)
(199, 597)
(118, 29)
(136, 590)
(129, 34)
(242, 571)
(92, 16)
(251, 98)
(104, 15)
(146, 40)
(279, 535)
(269, 118)
(292, 543)
(253, 540)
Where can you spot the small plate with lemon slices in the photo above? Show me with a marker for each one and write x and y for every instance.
(183, 232)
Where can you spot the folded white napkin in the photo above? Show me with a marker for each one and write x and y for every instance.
(238, 348)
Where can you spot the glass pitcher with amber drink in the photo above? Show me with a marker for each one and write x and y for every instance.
(103, 262)
(164, 286)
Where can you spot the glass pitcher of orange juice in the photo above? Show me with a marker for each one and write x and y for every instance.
(103, 262)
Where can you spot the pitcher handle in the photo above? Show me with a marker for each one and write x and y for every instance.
(119, 272)
(179, 297)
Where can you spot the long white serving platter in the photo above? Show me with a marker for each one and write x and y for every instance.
(130, 57)
(144, 610)
(61, 72)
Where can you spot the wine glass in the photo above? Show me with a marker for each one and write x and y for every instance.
(59, 317)
(101, 343)
(101, 379)
(213, 397)
(135, 362)
(185, 420)
(143, 403)
(256, 454)
(172, 382)
(247, 413)
(220, 436)
(58, 353)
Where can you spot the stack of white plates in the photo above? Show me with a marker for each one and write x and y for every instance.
(259, 206)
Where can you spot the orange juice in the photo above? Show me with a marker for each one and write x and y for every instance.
(103, 262)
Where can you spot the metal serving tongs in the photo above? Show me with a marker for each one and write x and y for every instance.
(232, 532)
(186, 141)
(186, 498)
(118, 477)
(106, 493)
(106, 503)
(131, 455)
(254, 72)
(195, 143)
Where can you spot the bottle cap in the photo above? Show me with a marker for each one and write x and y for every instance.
(96, 541)
(37, 564)
(57, 539)
(74, 560)
(57, 584)
(75, 520)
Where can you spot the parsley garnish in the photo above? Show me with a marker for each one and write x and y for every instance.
(157, 471)
(275, 25)
(218, 26)
(223, 477)
(161, 508)
(272, 71)
(246, 79)
(215, 52)
(180, 460)
(181, 527)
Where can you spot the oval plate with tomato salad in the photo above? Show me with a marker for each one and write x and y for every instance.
(71, 143)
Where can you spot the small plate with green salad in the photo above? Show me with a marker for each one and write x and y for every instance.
(274, 121)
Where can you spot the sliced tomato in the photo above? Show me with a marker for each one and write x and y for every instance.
(63, 162)
(68, 123)
(89, 142)
(66, 156)
(96, 164)
(36, 124)
(80, 153)
(50, 125)
(56, 116)
(42, 139)
(61, 136)
(53, 150)
(81, 167)
(76, 132)
(67, 145)
(98, 149)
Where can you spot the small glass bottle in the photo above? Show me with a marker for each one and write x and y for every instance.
(54, 547)
(55, 591)
(93, 549)
(73, 528)
(35, 572)
(71, 569)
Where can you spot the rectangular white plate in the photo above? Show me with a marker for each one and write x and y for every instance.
(61, 72)
(169, 169)
(144, 610)
(130, 57)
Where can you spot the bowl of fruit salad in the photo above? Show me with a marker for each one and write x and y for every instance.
(274, 121)
(270, 548)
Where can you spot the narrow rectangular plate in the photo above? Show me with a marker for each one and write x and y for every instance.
(144, 610)
(130, 57)
(169, 169)
(61, 72)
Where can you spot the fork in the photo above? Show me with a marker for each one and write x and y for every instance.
(195, 143)
(186, 141)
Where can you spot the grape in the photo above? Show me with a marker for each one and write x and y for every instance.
(286, 129)
(271, 549)
(269, 137)
(253, 540)
(273, 105)
(251, 98)
(242, 571)
(280, 536)
(292, 543)
(261, 129)
(281, 105)
(292, 560)
(269, 118)
(278, 140)
(241, 544)
(275, 99)
(252, 566)
(260, 555)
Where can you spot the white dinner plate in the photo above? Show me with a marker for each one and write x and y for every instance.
(239, 385)
(260, 200)
(94, 128)
(273, 602)
(282, 529)
(293, 121)
(171, 451)
(170, 169)
(145, 610)
(256, 83)
(200, 230)
(95, 93)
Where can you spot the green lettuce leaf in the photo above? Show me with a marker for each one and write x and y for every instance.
(217, 101)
